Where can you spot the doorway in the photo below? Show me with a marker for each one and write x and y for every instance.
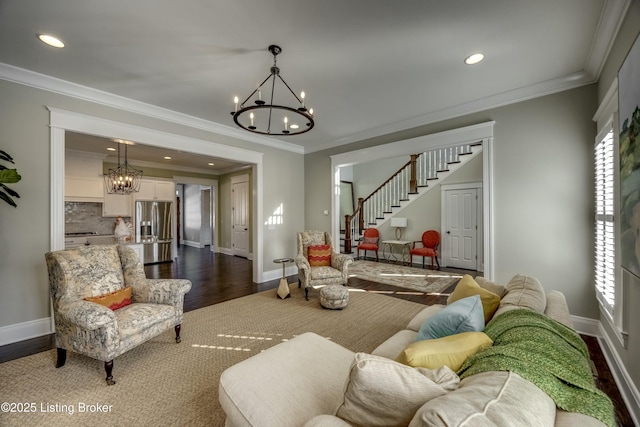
(240, 215)
(197, 212)
(482, 133)
(62, 120)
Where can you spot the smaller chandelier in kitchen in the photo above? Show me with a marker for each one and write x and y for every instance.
(264, 116)
(124, 179)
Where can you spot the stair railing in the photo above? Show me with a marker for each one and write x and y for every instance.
(416, 173)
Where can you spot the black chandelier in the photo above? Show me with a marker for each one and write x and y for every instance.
(269, 118)
(124, 179)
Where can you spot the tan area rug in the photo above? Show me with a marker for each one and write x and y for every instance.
(161, 383)
(418, 279)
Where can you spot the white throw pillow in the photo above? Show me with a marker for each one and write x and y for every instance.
(382, 392)
(524, 292)
(495, 398)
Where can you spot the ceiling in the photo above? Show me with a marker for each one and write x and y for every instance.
(148, 156)
(368, 68)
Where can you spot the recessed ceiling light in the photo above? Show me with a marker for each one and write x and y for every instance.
(167, 157)
(211, 164)
(294, 126)
(111, 149)
(50, 40)
(474, 59)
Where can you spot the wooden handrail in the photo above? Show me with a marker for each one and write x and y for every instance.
(413, 187)
(388, 180)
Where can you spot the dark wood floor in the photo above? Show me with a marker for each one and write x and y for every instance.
(217, 278)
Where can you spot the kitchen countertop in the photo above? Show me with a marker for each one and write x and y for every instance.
(148, 241)
(99, 239)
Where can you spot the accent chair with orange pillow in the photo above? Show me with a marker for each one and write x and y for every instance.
(318, 263)
(103, 305)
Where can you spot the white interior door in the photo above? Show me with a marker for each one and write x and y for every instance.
(460, 232)
(240, 217)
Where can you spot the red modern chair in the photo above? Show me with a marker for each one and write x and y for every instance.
(369, 242)
(430, 242)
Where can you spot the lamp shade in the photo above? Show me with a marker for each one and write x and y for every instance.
(399, 222)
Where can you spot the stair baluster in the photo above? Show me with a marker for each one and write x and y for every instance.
(416, 173)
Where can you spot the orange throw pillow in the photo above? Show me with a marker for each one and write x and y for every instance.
(113, 300)
(319, 255)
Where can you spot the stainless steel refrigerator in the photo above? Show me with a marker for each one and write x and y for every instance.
(154, 230)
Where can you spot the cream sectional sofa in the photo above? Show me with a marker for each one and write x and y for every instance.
(311, 381)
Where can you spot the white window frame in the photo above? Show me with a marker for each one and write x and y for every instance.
(606, 118)
(605, 239)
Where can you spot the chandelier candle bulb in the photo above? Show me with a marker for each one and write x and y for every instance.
(235, 101)
(302, 97)
(251, 118)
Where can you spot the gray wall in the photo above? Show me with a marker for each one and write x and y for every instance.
(543, 191)
(25, 230)
(367, 177)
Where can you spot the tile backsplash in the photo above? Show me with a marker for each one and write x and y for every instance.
(86, 216)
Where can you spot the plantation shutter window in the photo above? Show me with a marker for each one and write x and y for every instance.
(605, 230)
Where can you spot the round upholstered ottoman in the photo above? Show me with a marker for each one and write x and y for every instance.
(335, 297)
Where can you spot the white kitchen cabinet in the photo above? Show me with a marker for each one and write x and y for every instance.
(81, 189)
(83, 180)
(156, 190)
(117, 205)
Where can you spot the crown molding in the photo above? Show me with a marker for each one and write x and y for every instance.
(521, 94)
(611, 19)
(85, 93)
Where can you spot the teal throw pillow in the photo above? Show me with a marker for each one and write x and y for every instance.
(464, 315)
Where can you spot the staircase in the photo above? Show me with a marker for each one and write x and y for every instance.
(410, 182)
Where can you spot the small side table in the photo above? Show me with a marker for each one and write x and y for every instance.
(283, 287)
(397, 251)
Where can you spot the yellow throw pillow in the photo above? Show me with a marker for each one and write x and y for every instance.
(113, 300)
(449, 351)
(467, 287)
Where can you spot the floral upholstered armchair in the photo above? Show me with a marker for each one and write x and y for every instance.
(318, 263)
(103, 304)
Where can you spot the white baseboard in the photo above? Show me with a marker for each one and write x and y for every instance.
(226, 251)
(625, 384)
(586, 326)
(277, 273)
(191, 243)
(25, 330)
(229, 251)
